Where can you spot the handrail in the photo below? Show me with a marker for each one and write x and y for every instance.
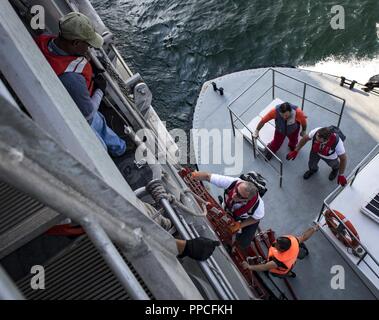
(356, 170)
(306, 84)
(366, 160)
(251, 104)
(256, 149)
(371, 155)
(234, 116)
(374, 91)
(305, 99)
(235, 99)
(366, 252)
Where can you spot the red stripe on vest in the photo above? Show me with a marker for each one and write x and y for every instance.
(60, 63)
(317, 148)
(245, 208)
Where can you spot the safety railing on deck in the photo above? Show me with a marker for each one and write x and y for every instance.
(239, 118)
(328, 200)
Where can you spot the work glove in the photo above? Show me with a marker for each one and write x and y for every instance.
(199, 249)
(235, 227)
(342, 180)
(100, 82)
(292, 155)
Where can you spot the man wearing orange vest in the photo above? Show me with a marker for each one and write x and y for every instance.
(288, 120)
(283, 254)
(67, 56)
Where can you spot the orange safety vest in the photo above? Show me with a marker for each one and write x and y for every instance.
(288, 258)
(63, 64)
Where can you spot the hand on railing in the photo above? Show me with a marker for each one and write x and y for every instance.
(292, 155)
(255, 134)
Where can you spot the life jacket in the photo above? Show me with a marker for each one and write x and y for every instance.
(288, 257)
(63, 64)
(327, 148)
(288, 126)
(249, 207)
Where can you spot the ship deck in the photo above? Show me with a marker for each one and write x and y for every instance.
(290, 209)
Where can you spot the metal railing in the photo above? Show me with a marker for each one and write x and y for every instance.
(374, 91)
(327, 203)
(256, 150)
(303, 97)
(234, 117)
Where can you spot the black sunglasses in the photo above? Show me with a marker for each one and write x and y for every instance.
(239, 195)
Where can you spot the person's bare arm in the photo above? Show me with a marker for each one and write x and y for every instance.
(248, 222)
(260, 267)
(180, 244)
(308, 233)
(269, 116)
(260, 125)
(343, 161)
(303, 129)
(302, 142)
(201, 176)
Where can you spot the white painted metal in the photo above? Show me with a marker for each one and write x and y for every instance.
(49, 103)
(349, 202)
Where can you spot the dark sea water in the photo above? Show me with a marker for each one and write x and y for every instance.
(178, 45)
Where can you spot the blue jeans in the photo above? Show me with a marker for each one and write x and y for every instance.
(109, 139)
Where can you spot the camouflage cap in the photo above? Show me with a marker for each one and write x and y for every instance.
(77, 26)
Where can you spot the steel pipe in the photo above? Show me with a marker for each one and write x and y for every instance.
(114, 259)
(8, 290)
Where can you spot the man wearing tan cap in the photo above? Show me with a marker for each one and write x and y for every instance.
(66, 55)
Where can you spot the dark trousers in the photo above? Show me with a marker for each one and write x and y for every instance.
(314, 159)
(244, 238)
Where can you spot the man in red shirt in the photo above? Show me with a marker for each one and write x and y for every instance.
(288, 120)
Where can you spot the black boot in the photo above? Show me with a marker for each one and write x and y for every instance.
(333, 174)
(308, 174)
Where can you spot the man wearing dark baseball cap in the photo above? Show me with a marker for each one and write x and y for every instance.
(67, 56)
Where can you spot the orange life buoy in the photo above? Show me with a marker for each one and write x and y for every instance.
(339, 231)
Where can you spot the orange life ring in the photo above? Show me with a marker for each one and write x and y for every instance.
(340, 233)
